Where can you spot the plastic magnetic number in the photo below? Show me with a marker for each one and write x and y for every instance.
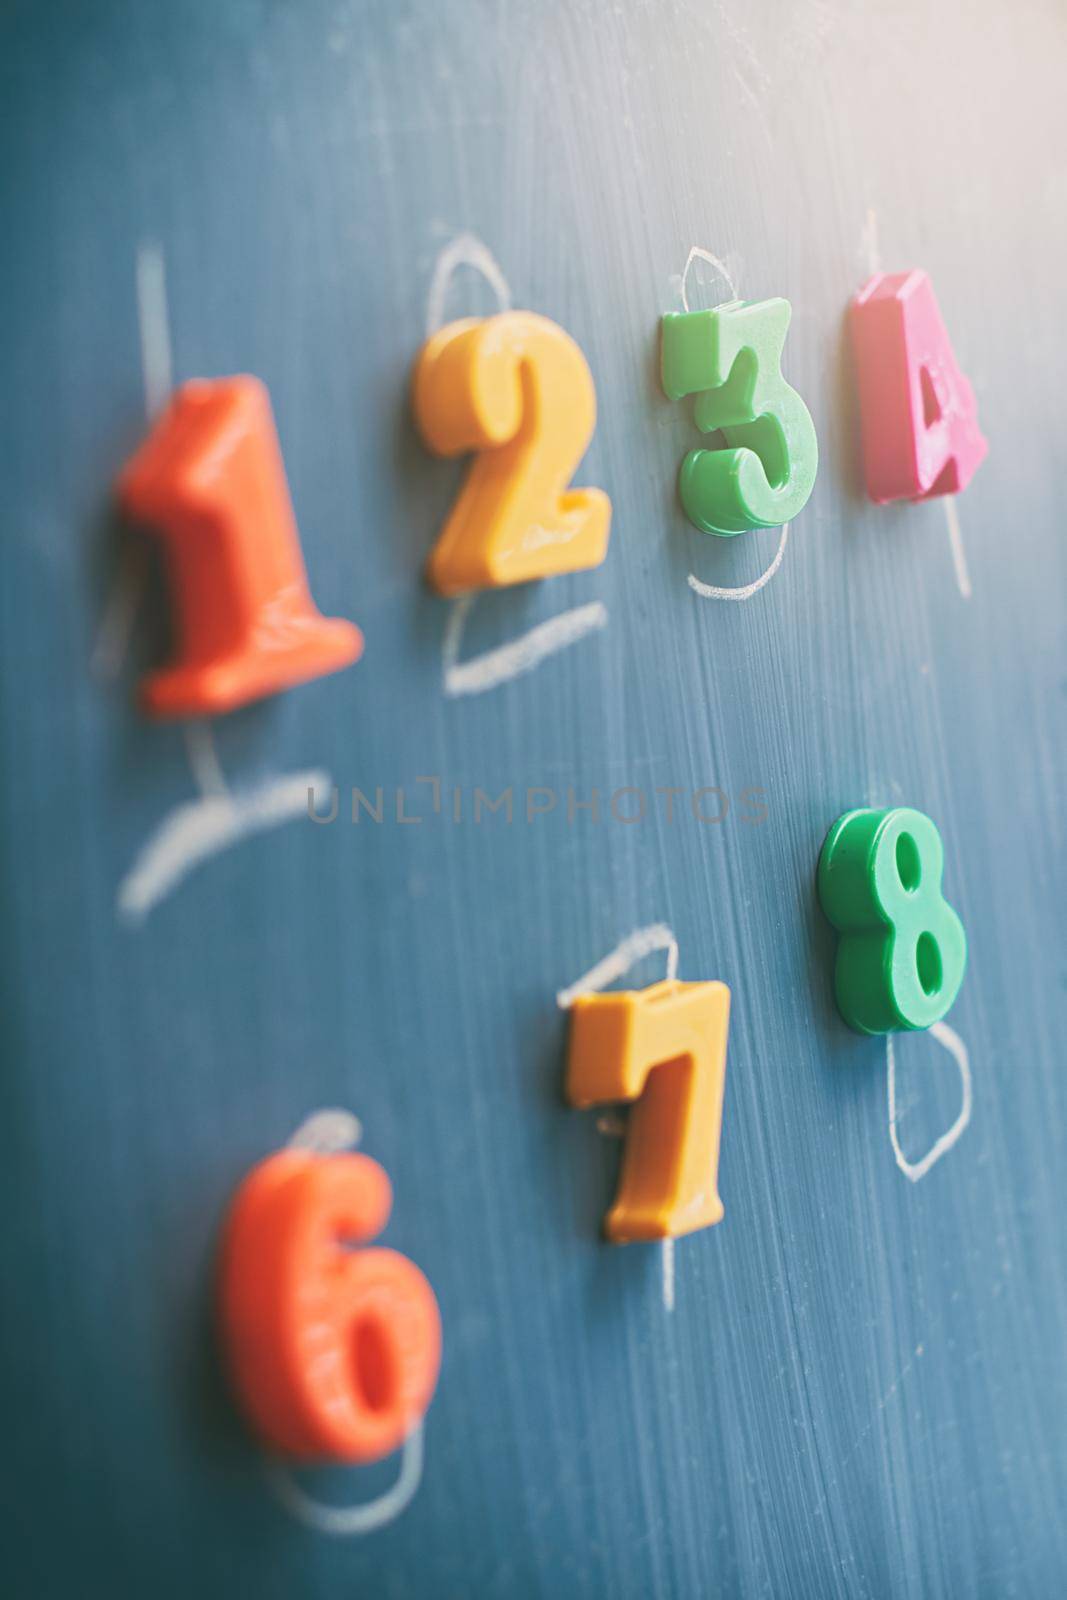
(516, 389)
(334, 1351)
(902, 952)
(665, 1048)
(210, 480)
(730, 358)
(920, 421)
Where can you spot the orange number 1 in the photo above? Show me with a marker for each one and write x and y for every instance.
(518, 390)
(665, 1048)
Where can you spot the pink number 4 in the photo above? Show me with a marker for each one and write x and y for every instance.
(920, 421)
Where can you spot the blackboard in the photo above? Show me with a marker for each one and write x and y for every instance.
(855, 1384)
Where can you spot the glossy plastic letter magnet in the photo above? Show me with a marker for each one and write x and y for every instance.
(664, 1048)
(902, 951)
(516, 390)
(920, 421)
(210, 480)
(730, 358)
(334, 1351)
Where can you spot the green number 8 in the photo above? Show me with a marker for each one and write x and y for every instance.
(730, 358)
(903, 951)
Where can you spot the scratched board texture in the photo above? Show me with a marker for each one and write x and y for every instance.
(861, 1389)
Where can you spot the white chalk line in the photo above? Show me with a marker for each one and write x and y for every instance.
(199, 829)
(869, 246)
(523, 654)
(352, 1521)
(328, 1131)
(955, 539)
(153, 321)
(714, 591)
(698, 253)
(642, 942)
(204, 759)
(127, 588)
(467, 250)
(666, 1255)
(950, 1040)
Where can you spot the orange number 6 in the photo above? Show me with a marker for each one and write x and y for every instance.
(665, 1048)
(518, 390)
(333, 1351)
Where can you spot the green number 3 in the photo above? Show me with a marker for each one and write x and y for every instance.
(903, 951)
(730, 358)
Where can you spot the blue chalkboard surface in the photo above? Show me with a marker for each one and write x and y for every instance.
(856, 1384)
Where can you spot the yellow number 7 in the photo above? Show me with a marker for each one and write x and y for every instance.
(665, 1048)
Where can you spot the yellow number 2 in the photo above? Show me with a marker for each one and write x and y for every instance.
(516, 389)
(665, 1048)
